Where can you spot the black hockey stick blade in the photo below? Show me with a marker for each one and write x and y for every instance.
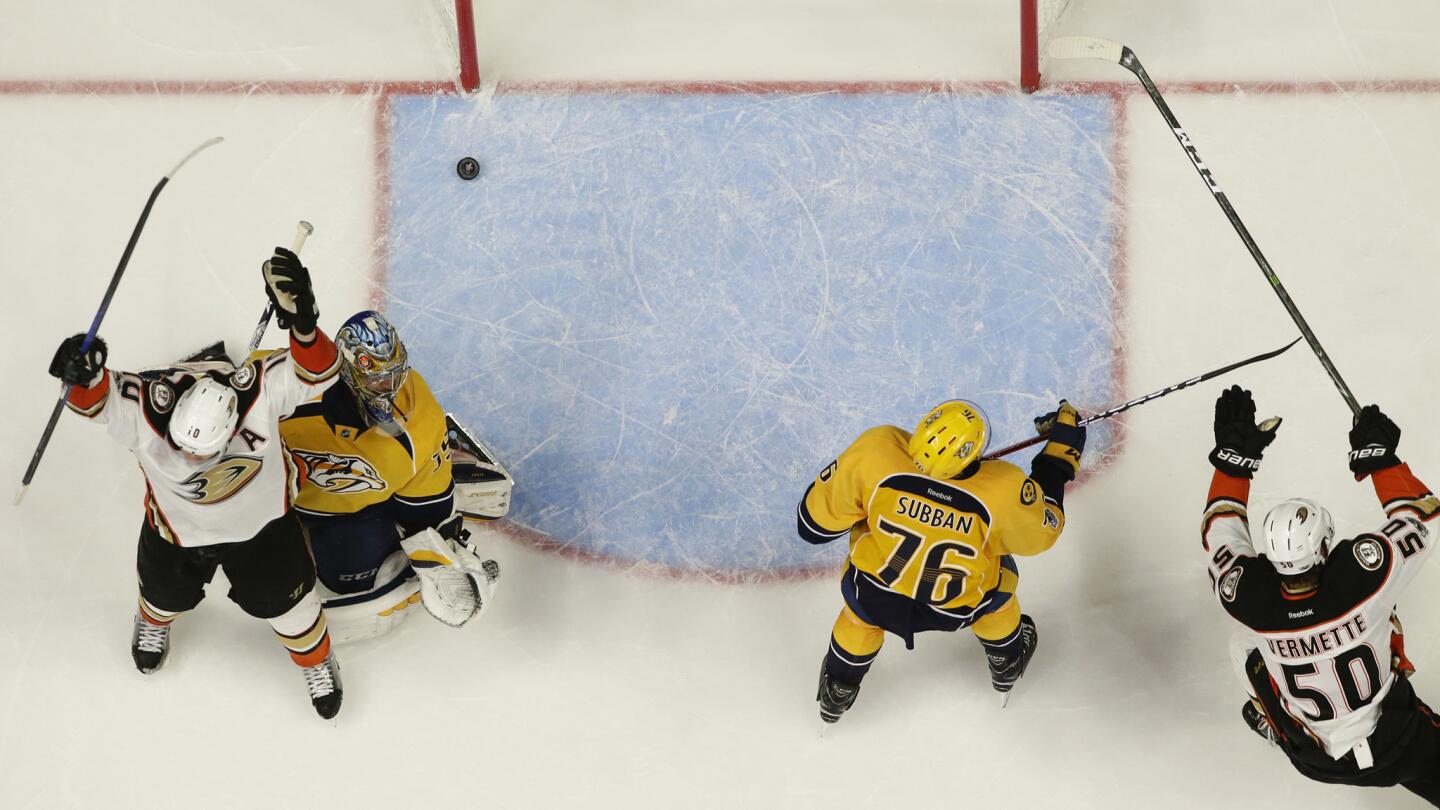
(1125, 406)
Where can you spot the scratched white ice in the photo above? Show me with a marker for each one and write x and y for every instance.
(609, 685)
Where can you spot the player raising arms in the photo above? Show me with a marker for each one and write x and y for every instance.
(217, 488)
(1322, 651)
(932, 529)
(379, 490)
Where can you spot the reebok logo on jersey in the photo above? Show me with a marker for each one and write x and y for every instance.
(220, 481)
(1301, 614)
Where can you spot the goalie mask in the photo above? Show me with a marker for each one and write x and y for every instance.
(949, 439)
(373, 363)
(1297, 536)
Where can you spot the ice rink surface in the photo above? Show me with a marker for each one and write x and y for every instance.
(610, 674)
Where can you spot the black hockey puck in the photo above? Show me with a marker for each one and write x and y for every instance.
(468, 168)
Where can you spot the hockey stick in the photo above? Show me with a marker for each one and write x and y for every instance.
(1105, 50)
(303, 230)
(100, 313)
(1121, 408)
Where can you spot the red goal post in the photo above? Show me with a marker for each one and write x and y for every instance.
(1038, 19)
(458, 19)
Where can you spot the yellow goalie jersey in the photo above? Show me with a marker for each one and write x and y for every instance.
(346, 469)
(937, 542)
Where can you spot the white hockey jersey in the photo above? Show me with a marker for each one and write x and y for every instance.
(1327, 652)
(229, 499)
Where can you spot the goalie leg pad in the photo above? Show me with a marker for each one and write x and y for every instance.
(455, 585)
(377, 611)
(482, 484)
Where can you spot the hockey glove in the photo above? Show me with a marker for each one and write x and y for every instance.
(74, 367)
(1239, 442)
(1067, 437)
(287, 283)
(455, 585)
(1373, 440)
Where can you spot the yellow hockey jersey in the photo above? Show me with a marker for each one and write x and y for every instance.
(346, 468)
(938, 542)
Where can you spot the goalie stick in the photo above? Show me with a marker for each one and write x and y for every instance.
(1125, 406)
(100, 313)
(303, 230)
(1105, 50)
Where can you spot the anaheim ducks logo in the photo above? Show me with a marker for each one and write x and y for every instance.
(339, 474)
(221, 480)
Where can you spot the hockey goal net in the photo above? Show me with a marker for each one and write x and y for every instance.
(1038, 20)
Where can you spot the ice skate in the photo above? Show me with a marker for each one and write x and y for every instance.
(835, 696)
(323, 681)
(1258, 722)
(149, 645)
(1004, 671)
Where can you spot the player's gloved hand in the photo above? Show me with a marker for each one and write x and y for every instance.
(287, 283)
(1373, 440)
(1067, 436)
(75, 367)
(1239, 442)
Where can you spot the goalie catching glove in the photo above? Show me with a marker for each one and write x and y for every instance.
(455, 585)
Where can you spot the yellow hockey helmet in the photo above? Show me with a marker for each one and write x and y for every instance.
(949, 438)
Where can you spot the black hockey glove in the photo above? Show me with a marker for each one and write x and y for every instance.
(1067, 437)
(287, 283)
(1373, 440)
(74, 367)
(1239, 442)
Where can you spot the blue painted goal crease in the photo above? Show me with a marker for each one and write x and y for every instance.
(668, 312)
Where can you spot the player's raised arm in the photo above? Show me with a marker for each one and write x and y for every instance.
(1408, 503)
(1239, 445)
(83, 370)
(1036, 519)
(93, 385)
(313, 359)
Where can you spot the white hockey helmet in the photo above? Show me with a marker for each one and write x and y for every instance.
(205, 417)
(1297, 535)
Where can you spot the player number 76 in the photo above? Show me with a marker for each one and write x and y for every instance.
(945, 580)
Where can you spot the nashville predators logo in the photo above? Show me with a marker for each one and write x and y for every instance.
(337, 474)
(220, 481)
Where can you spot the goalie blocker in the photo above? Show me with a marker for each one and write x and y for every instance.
(482, 484)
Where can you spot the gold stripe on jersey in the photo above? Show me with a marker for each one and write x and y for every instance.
(938, 542)
(1221, 508)
(308, 640)
(342, 467)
